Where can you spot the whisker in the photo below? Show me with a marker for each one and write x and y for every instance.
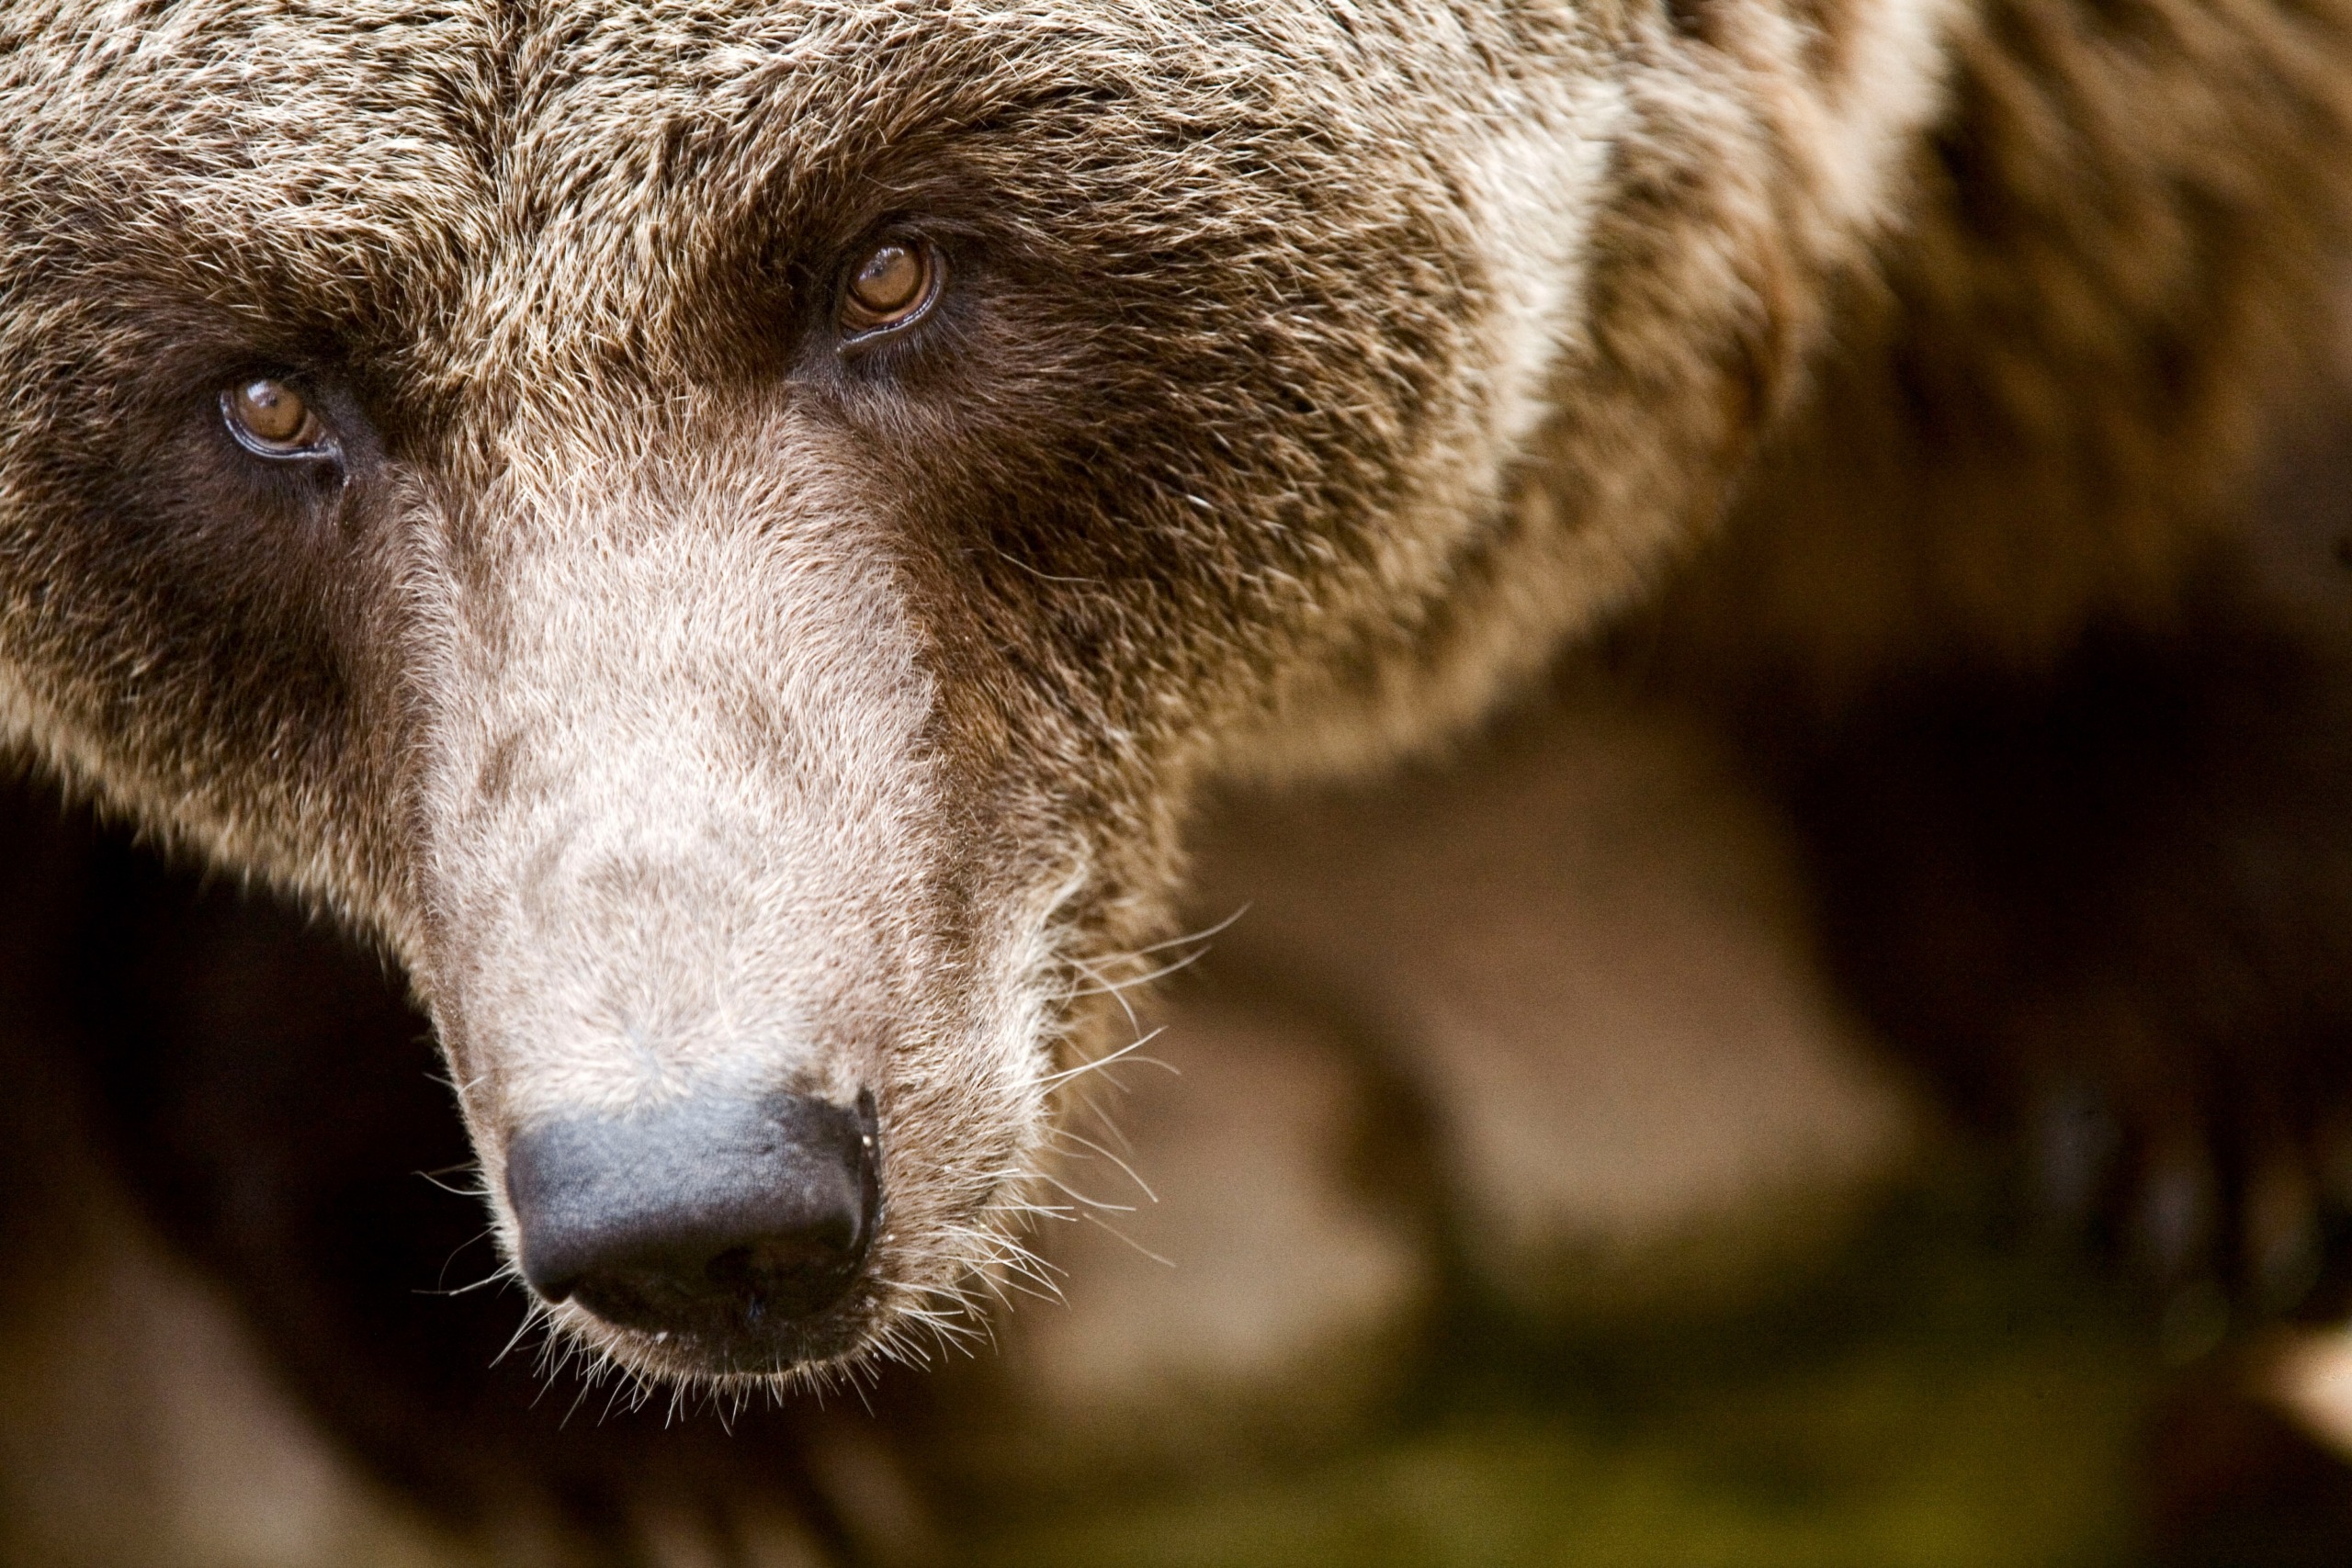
(1091, 1202)
(1116, 987)
(500, 1271)
(1163, 1262)
(1201, 935)
(1097, 1063)
(1114, 1159)
(1116, 993)
(477, 1190)
(531, 1316)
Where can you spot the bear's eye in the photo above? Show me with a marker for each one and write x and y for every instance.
(894, 286)
(270, 418)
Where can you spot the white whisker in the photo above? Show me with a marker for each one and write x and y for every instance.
(1099, 1063)
(1114, 1159)
(1164, 1262)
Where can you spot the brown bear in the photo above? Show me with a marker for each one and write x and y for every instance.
(730, 541)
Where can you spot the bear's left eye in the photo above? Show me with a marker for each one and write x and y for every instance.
(270, 418)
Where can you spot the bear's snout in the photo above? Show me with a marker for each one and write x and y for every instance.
(728, 1225)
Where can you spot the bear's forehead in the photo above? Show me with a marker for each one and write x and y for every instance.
(441, 99)
(454, 172)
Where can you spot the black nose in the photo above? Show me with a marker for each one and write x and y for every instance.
(709, 1216)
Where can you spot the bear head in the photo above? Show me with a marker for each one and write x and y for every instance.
(727, 534)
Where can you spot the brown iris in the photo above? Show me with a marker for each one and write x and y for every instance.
(270, 418)
(894, 285)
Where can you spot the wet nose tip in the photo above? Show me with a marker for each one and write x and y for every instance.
(714, 1213)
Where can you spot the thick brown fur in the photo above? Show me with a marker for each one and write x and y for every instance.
(2120, 278)
(692, 700)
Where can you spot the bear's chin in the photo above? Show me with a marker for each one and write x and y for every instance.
(745, 1349)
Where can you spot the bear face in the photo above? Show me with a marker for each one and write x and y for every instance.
(729, 538)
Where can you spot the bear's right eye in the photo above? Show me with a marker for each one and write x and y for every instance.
(894, 286)
(270, 418)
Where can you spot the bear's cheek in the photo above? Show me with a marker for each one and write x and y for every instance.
(1131, 489)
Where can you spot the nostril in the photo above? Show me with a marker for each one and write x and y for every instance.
(732, 1270)
(794, 1276)
(707, 1215)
